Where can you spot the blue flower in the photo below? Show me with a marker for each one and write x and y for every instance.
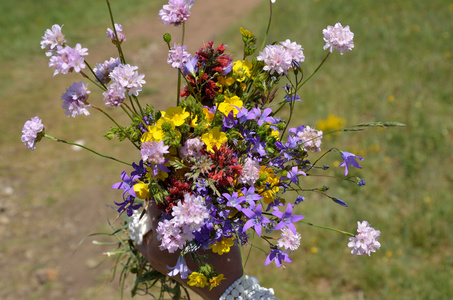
(180, 268)
(255, 219)
(287, 219)
(277, 256)
(349, 159)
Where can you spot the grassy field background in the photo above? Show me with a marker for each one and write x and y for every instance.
(400, 70)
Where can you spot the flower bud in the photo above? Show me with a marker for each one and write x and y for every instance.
(167, 38)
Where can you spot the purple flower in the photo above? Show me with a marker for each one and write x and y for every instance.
(75, 100)
(255, 219)
(127, 77)
(277, 256)
(127, 185)
(293, 175)
(67, 59)
(339, 38)
(176, 12)
(180, 268)
(178, 56)
(103, 70)
(32, 132)
(349, 159)
(128, 206)
(114, 95)
(287, 219)
(119, 31)
(234, 200)
(290, 97)
(299, 199)
(191, 67)
(229, 121)
(261, 117)
(53, 38)
(250, 196)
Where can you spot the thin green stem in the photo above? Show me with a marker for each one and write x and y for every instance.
(118, 44)
(322, 62)
(328, 228)
(268, 26)
(86, 148)
(94, 74)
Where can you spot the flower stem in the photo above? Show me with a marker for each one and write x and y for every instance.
(322, 62)
(268, 26)
(118, 44)
(328, 228)
(86, 148)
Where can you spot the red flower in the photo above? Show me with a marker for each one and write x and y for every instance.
(225, 168)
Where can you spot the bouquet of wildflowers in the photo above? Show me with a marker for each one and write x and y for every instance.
(219, 162)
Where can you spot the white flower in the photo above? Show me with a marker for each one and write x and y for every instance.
(339, 38)
(288, 240)
(139, 227)
(365, 241)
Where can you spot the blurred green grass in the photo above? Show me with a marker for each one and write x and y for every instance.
(400, 70)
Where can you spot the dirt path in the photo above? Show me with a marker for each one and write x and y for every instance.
(37, 255)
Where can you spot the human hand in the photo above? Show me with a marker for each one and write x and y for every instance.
(228, 264)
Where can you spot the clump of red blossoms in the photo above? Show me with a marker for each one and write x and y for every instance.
(213, 62)
(225, 168)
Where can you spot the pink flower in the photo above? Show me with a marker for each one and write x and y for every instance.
(154, 152)
(127, 77)
(176, 12)
(53, 38)
(32, 132)
(119, 32)
(288, 240)
(365, 241)
(178, 56)
(74, 100)
(339, 38)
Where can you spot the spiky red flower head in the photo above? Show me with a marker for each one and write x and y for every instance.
(177, 189)
(225, 168)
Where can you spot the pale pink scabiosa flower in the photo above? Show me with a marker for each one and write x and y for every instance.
(250, 172)
(178, 56)
(339, 38)
(127, 77)
(119, 32)
(32, 132)
(276, 59)
(67, 59)
(74, 100)
(295, 50)
(176, 12)
(103, 70)
(154, 152)
(191, 149)
(310, 139)
(191, 212)
(171, 236)
(365, 241)
(53, 38)
(115, 95)
(288, 240)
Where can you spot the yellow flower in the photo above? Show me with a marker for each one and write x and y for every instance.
(176, 115)
(215, 281)
(198, 280)
(154, 133)
(225, 81)
(269, 187)
(223, 246)
(227, 106)
(214, 137)
(209, 115)
(246, 33)
(141, 190)
(332, 123)
(241, 70)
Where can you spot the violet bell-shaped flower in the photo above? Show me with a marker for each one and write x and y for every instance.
(287, 218)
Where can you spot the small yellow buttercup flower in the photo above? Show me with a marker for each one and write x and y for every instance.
(198, 280)
(176, 115)
(214, 137)
(154, 133)
(241, 70)
(270, 185)
(230, 104)
(223, 246)
(141, 190)
(215, 281)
